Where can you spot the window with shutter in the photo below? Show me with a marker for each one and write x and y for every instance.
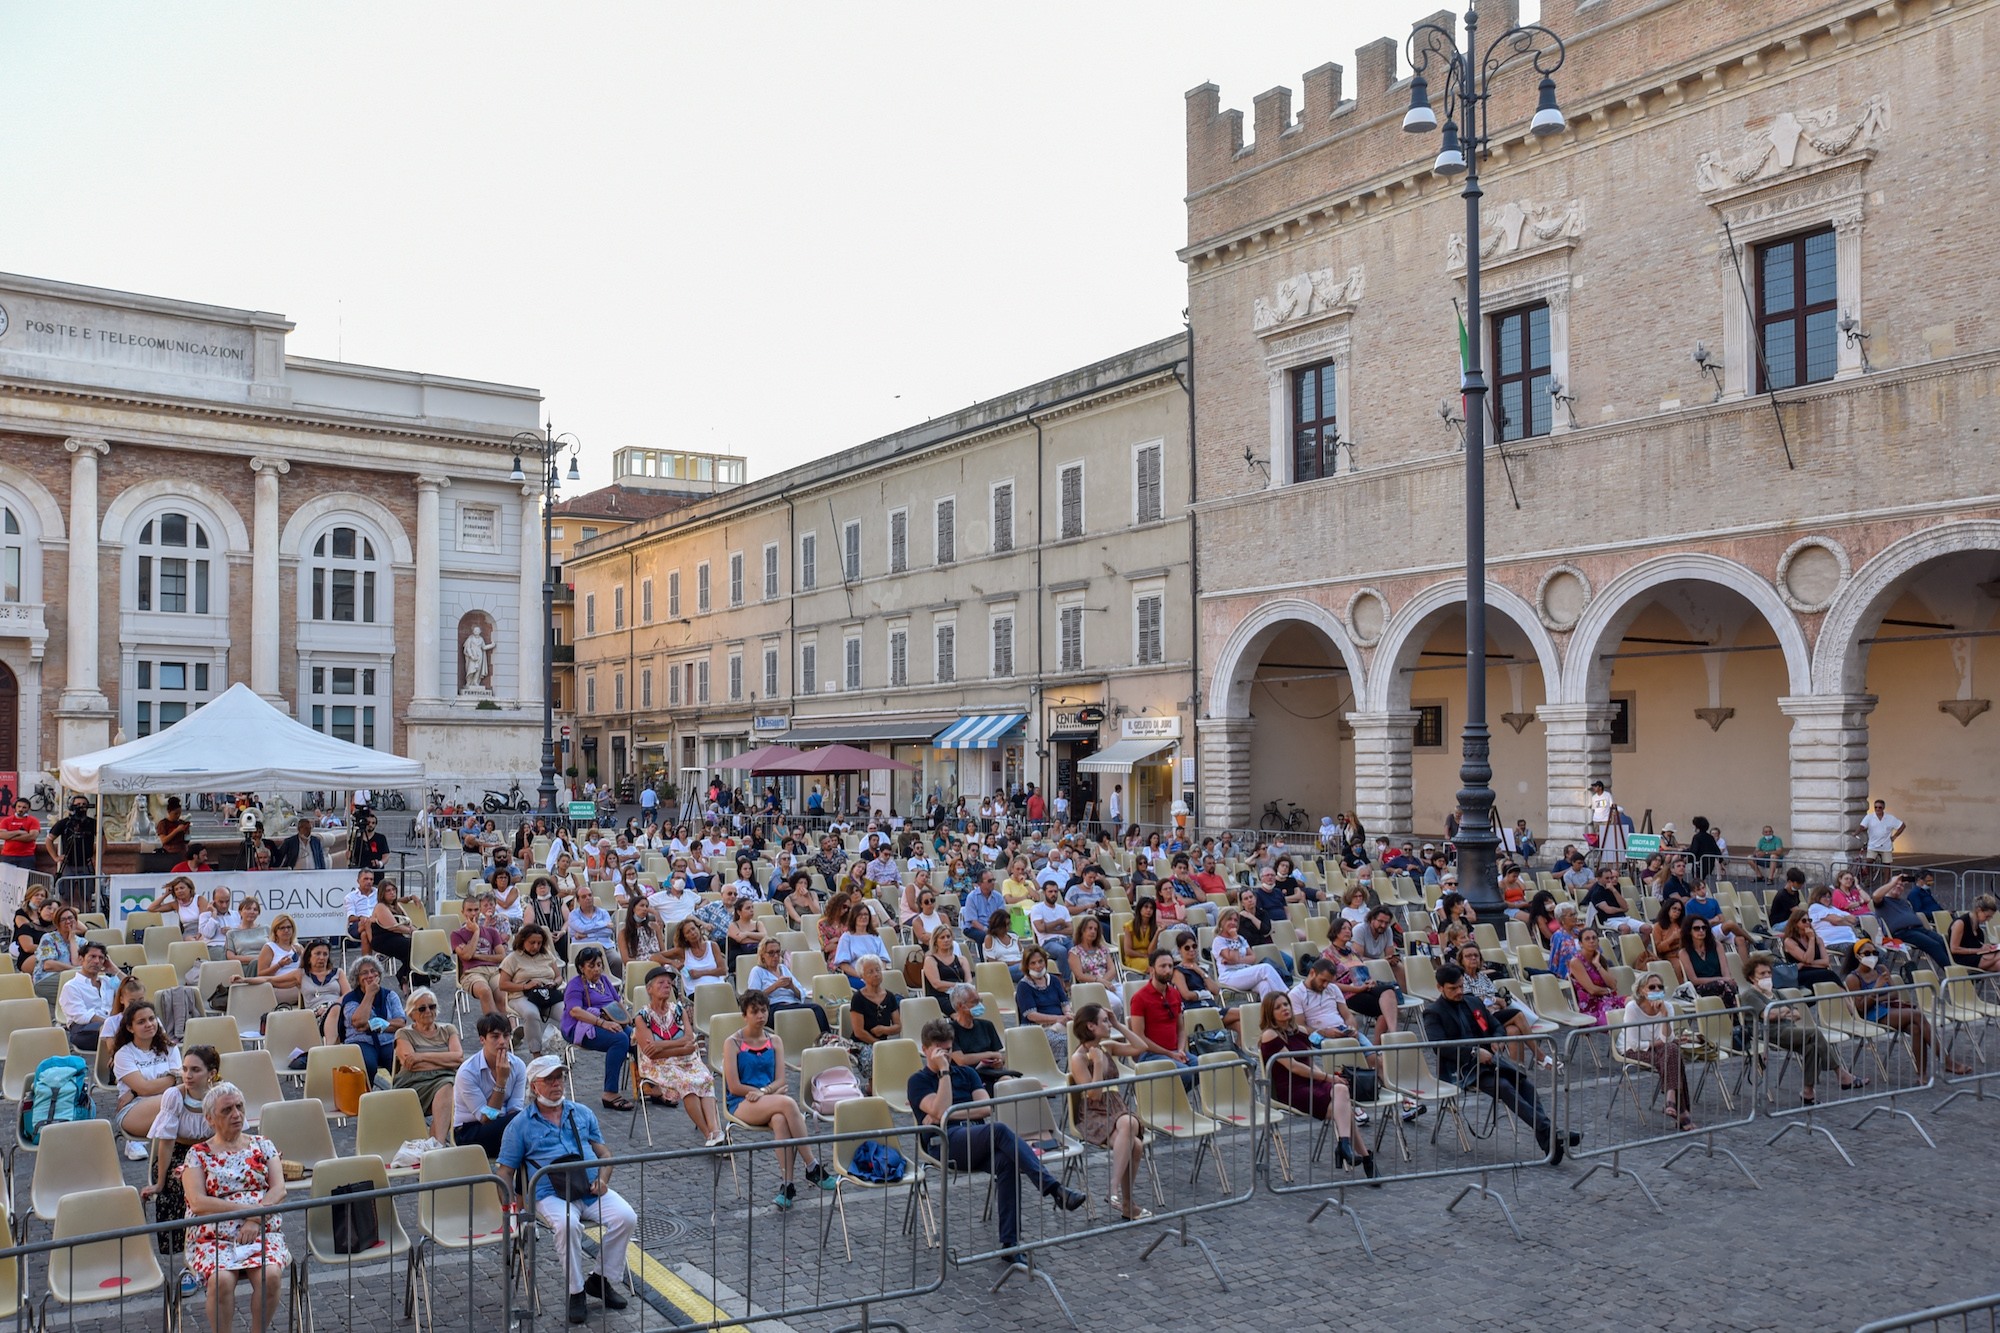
(590, 613)
(735, 676)
(852, 679)
(1151, 646)
(947, 653)
(1070, 639)
(646, 601)
(673, 687)
(1146, 483)
(674, 595)
(899, 540)
(701, 682)
(701, 588)
(809, 560)
(770, 572)
(808, 670)
(646, 688)
(851, 538)
(899, 657)
(1003, 646)
(1072, 501)
(736, 578)
(1003, 516)
(590, 694)
(770, 673)
(618, 608)
(947, 531)
(618, 693)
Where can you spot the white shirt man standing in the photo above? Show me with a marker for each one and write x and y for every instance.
(1881, 829)
(1116, 805)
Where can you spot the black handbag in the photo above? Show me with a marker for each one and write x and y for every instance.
(566, 1174)
(1363, 1085)
(356, 1229)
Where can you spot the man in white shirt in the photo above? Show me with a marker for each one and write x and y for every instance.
(675, 902)
(85, 1001)
(1835, 927)
(1047, 872)
(1881, 829)
(1115, 807)
(360, 906)
(1051, 921)
(1317, 1003)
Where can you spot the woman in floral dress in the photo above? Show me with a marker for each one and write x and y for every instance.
(230, 1172)
(670, 1065)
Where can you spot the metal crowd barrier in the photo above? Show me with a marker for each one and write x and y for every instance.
(711, 1240)
(1502, 1116)
(1968, 1014)
(1200, 1156)
(452, 1261)
(1702, 1049)
(1878, 1039)
(1979, 1313)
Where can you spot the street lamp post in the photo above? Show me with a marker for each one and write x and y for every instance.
(547, 448)
(1468, 78)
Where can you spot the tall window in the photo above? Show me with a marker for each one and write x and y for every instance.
(590, 613)
(618, 692)
(1069, 638)
(809, 560)
(673, 594)
(1070, 483)
(687, 681)
(899, 540)
(168, 691)
(770, 572)
(343, 577)
(618, 607)
(673, 687)
(344, 702)
(851, 676)
(701, 681)
(736, 578)
(646, 601)
(1315, 422)
(770, 673)
(645, 687)
(850, 540)
(899, 657)
(10, 555)
(735, 676)
(1521, 405)
(701, 588)
(808, 669)
(1797, 310)
(947, 653)
(1003, 516)
(590, 694)
(173, 571)
(947, 531)
(1149, 613)
(1146, 465)
(1003, 646)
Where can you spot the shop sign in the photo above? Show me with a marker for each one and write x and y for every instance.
(772, 722)
(1151, 728)
(1075, 719)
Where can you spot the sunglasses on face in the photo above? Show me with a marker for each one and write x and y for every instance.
(423, 1008)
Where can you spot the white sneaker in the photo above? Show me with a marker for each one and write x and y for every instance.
(136, 1151)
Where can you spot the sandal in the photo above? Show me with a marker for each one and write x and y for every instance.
(618, 1103)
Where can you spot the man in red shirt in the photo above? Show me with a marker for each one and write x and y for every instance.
(19, 832)
(1207, 880)
(1156, 1010)
(1038, 809)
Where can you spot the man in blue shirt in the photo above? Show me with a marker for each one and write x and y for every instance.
(554, 1127)
(979, 906)
(491, 1088)
(974, 1142)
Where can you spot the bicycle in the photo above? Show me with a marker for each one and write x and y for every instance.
(44, 799)
(391, 800)
(1290, 821)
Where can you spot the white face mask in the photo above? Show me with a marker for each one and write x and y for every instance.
(1763, 984)
(547, 1103)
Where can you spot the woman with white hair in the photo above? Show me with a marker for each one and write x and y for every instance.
(427, 1059)
(1237, 964)
(227, 1173)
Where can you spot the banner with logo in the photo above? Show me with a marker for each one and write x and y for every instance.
(14, 884)
(315, 899)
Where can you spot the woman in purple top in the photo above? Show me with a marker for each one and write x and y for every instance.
(594, 1018)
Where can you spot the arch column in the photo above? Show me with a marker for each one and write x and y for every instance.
(84, 712)
(424, 629)
(1829, 754)
(265, 617)
(1225, 770)
(1382, 781)
(1579, 750)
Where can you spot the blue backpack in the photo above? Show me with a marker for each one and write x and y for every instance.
(59, 1091)
(878, 1163)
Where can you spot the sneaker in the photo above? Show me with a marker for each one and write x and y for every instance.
(786, 1193)
(136, 1151)
(818, 1175)
(579, 1308)
(1360, 1116)
(190, 1285)
(608, 1292)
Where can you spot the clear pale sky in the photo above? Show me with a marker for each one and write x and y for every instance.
(774, 229)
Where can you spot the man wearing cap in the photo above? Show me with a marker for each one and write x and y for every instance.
(490, 1089)
(551, 1128)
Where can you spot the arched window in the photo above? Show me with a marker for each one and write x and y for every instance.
(343, 577)
(10, 555)
(173, 565)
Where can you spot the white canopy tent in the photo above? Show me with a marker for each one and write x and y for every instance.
(238, 742)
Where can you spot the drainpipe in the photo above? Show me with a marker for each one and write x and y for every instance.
(1041, 741)
(1194, 553)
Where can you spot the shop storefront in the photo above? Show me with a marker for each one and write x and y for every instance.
(1144, 762)
(906, 739)
(1075, 734)
(976, 757)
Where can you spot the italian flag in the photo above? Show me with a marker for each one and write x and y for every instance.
(1464, 358)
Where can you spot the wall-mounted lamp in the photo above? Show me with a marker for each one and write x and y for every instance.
(1561, 396)
(1710, 366)
(1250, 460)
(1851, 326)
(1453, 418)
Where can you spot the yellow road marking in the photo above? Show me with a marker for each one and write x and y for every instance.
(670, 1285)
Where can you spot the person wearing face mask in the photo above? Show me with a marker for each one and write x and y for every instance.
(1784, 1025)
(1040, 998)
(1647, 1035)
(975, 1042)
(1868, 987)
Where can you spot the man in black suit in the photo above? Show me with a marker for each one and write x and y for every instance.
(301, 851)
(1452, 1017)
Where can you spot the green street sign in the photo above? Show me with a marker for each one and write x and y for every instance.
(1639, 846)
(588, 810)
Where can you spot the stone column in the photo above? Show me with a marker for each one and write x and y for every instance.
(425, 633)
(84, 712)
(266, 617)
(1579, 745)
(1382, 784)
(528, 684)
(1224, 771)
(1829, 772)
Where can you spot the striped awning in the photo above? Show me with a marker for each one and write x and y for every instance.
(983, 731)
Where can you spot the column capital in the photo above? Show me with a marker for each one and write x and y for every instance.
(432, 482)
(1393, 719)
(261, 465)
(1591, 717)
(1835, 706)
(531, 490)
(81, 444)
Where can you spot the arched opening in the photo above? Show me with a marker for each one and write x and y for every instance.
(1301, 750)
(10, 721)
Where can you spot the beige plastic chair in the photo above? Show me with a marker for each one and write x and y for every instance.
(185, 954)
(215, 1030)
(17, 986)
(813, 1062)
(1163, 1107)
(19, 1015)
(155, 977)
(798, 1032)
(917, 1011)
(156, 940)
(1405, 1072)
(394, 1242)
(872, 1116)
(321, 1061)
(299, 1131)
(27, 1048)
(94, 1272)
(1030, 1055)
(1553, 1003)
(251, 1072)
(248, 1004)
(387, 1121)
(895, 1060)
(216, 972)
(289, 1030)
(458, 1218)
(73, 1155)
(720, 1029)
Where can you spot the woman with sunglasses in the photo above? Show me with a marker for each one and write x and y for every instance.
(927, 918)
(427, 1060)
(1701, 966)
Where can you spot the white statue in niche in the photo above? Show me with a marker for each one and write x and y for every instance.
(478, 659)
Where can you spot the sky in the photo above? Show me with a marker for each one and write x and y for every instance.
(775, 229)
